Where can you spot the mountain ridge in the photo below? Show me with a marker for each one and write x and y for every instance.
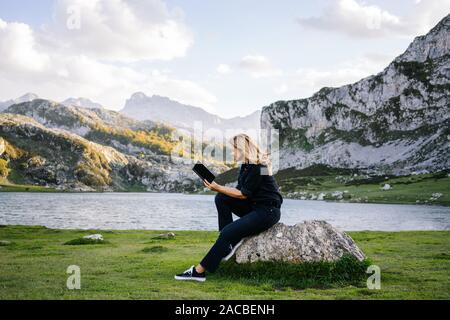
(82, 102)
(26, 97)
(156, 108)
(394, 121)
(74, 148)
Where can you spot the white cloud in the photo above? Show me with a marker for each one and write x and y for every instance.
(29, 63)
(358, 19)
(258, 66)
(18, 49)
(282, 88)
(353, 18)
(120, 30)
(223, 68)
(307, 81)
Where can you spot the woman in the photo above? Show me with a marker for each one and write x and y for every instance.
(256, 200)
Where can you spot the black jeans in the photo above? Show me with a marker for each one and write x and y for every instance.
(253, 220)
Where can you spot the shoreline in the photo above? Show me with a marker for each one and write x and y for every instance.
(44, 190)
(94, 230)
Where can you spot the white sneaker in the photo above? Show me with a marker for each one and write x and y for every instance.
(233, 250)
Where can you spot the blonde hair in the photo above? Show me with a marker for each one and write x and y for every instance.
(252, 152)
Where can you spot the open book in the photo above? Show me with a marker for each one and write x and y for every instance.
(203, 172)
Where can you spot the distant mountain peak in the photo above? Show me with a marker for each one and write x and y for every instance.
(138, 96)
(433, 45)
(163, 109)
(27, 97)
(24, 98)
(82, 102)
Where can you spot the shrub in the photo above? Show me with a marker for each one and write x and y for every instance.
(415, 70)
(5, 243)
(346, 271)
(84, 241)
(92, 176)
(4, 170)
(155, 249)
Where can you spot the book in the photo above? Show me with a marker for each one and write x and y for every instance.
(203, 172)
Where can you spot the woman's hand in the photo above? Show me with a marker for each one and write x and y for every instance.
(232, 192)
(212, 186)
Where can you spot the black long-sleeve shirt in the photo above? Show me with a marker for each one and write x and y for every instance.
(256, 186)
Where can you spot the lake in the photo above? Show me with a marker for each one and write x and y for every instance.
(170, 211)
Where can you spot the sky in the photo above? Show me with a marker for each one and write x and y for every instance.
(229, 57)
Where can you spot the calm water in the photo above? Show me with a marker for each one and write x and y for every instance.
(197, 212)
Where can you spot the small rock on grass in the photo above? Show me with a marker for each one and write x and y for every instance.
(98, 237)
(168, 235)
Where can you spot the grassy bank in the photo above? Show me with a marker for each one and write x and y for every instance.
(25, 188)
(139, 265)
(412, 190)
(6, 185)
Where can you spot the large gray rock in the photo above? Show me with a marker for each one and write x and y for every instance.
(310, 241)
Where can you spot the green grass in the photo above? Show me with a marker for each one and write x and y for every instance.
(137, 265)
(6, 186)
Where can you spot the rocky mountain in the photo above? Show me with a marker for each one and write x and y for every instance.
(46, 143)
(25, 98)
(76, 119)
(163, 109)
(82, 102)
(52, 156)
(395, 121)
